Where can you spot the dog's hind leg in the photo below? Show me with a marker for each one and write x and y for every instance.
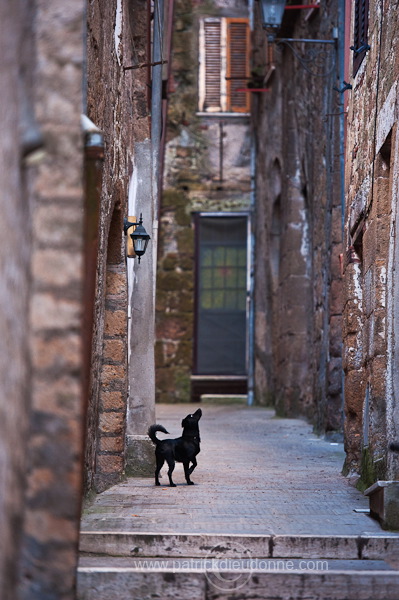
(194, 461)
(171, 465)
(187, 472)
(160, 460)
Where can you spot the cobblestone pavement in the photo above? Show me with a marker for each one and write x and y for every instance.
(256, 474)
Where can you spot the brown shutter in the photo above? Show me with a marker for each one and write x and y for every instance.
(360, 31)
(212, 64)
(237, 64)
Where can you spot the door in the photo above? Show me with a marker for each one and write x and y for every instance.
(221, 295)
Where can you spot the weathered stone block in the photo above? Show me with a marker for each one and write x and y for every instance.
(355, 388)
(51, 312)
(336, 335)
(380, 376)
(116, 283)
(353, 352)
(336, 299)
(111, 422)
(56, 353)
(115, 322)
(109, 463)
(384, 503)
(140, 456)
(369, 245)
(112, 401)
(53, 268)
(112, 375)
(114, 350)
(111, 444)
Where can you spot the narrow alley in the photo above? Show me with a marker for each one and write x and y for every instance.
(199, 207)
(269, 501)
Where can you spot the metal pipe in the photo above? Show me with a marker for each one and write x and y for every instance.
(156, 124)
(278, 40)
(341, 71)
(251, 275)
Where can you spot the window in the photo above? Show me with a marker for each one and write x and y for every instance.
(360, 32)
(224, 65)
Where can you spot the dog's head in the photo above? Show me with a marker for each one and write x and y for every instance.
(191, 421)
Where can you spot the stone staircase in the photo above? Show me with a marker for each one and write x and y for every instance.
(145, 566)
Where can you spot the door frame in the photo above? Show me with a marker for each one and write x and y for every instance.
(223, 384)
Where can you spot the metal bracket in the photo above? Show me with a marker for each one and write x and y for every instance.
(346, 86)
(127, 224)
(142, 65)
(363, 48)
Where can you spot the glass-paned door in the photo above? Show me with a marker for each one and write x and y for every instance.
(221, 298)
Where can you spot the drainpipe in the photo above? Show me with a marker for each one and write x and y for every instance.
(156, 123)
(251, 286)
(169, 39)
(341, 70)
(251, 236)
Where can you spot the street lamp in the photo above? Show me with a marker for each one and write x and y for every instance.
(139, 237)
(272, 14)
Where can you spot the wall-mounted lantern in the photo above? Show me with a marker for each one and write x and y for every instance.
(139, 238)
(272, 14)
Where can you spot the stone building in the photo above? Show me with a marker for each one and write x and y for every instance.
(204, 285)
(119, 104)
(298, 215)
(65, 191)
(371, 285)
(281, 171)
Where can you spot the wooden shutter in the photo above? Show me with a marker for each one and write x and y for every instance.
(360, 31)
(212, 34)
(238, 42)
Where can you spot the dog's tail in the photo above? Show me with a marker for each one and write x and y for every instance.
(152, 431)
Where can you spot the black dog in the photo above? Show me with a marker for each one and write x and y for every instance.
(183, 449)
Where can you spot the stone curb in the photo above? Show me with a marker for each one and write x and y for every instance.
(125, 584)
(236, 546)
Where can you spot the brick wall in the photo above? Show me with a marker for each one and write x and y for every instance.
(54, 470)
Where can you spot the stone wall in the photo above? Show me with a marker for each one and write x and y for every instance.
(207, 168)
(370, 315)
(117, 104)
(298, 224)
(16, 55)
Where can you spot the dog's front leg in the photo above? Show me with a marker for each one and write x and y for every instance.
(187, 472)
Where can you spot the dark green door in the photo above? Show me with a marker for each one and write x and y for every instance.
(221, 314)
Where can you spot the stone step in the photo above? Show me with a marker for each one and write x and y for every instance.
(132, 544)
(107, 578)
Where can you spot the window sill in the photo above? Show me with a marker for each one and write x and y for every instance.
(223, 114)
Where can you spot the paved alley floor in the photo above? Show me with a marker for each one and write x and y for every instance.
(256, 474)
